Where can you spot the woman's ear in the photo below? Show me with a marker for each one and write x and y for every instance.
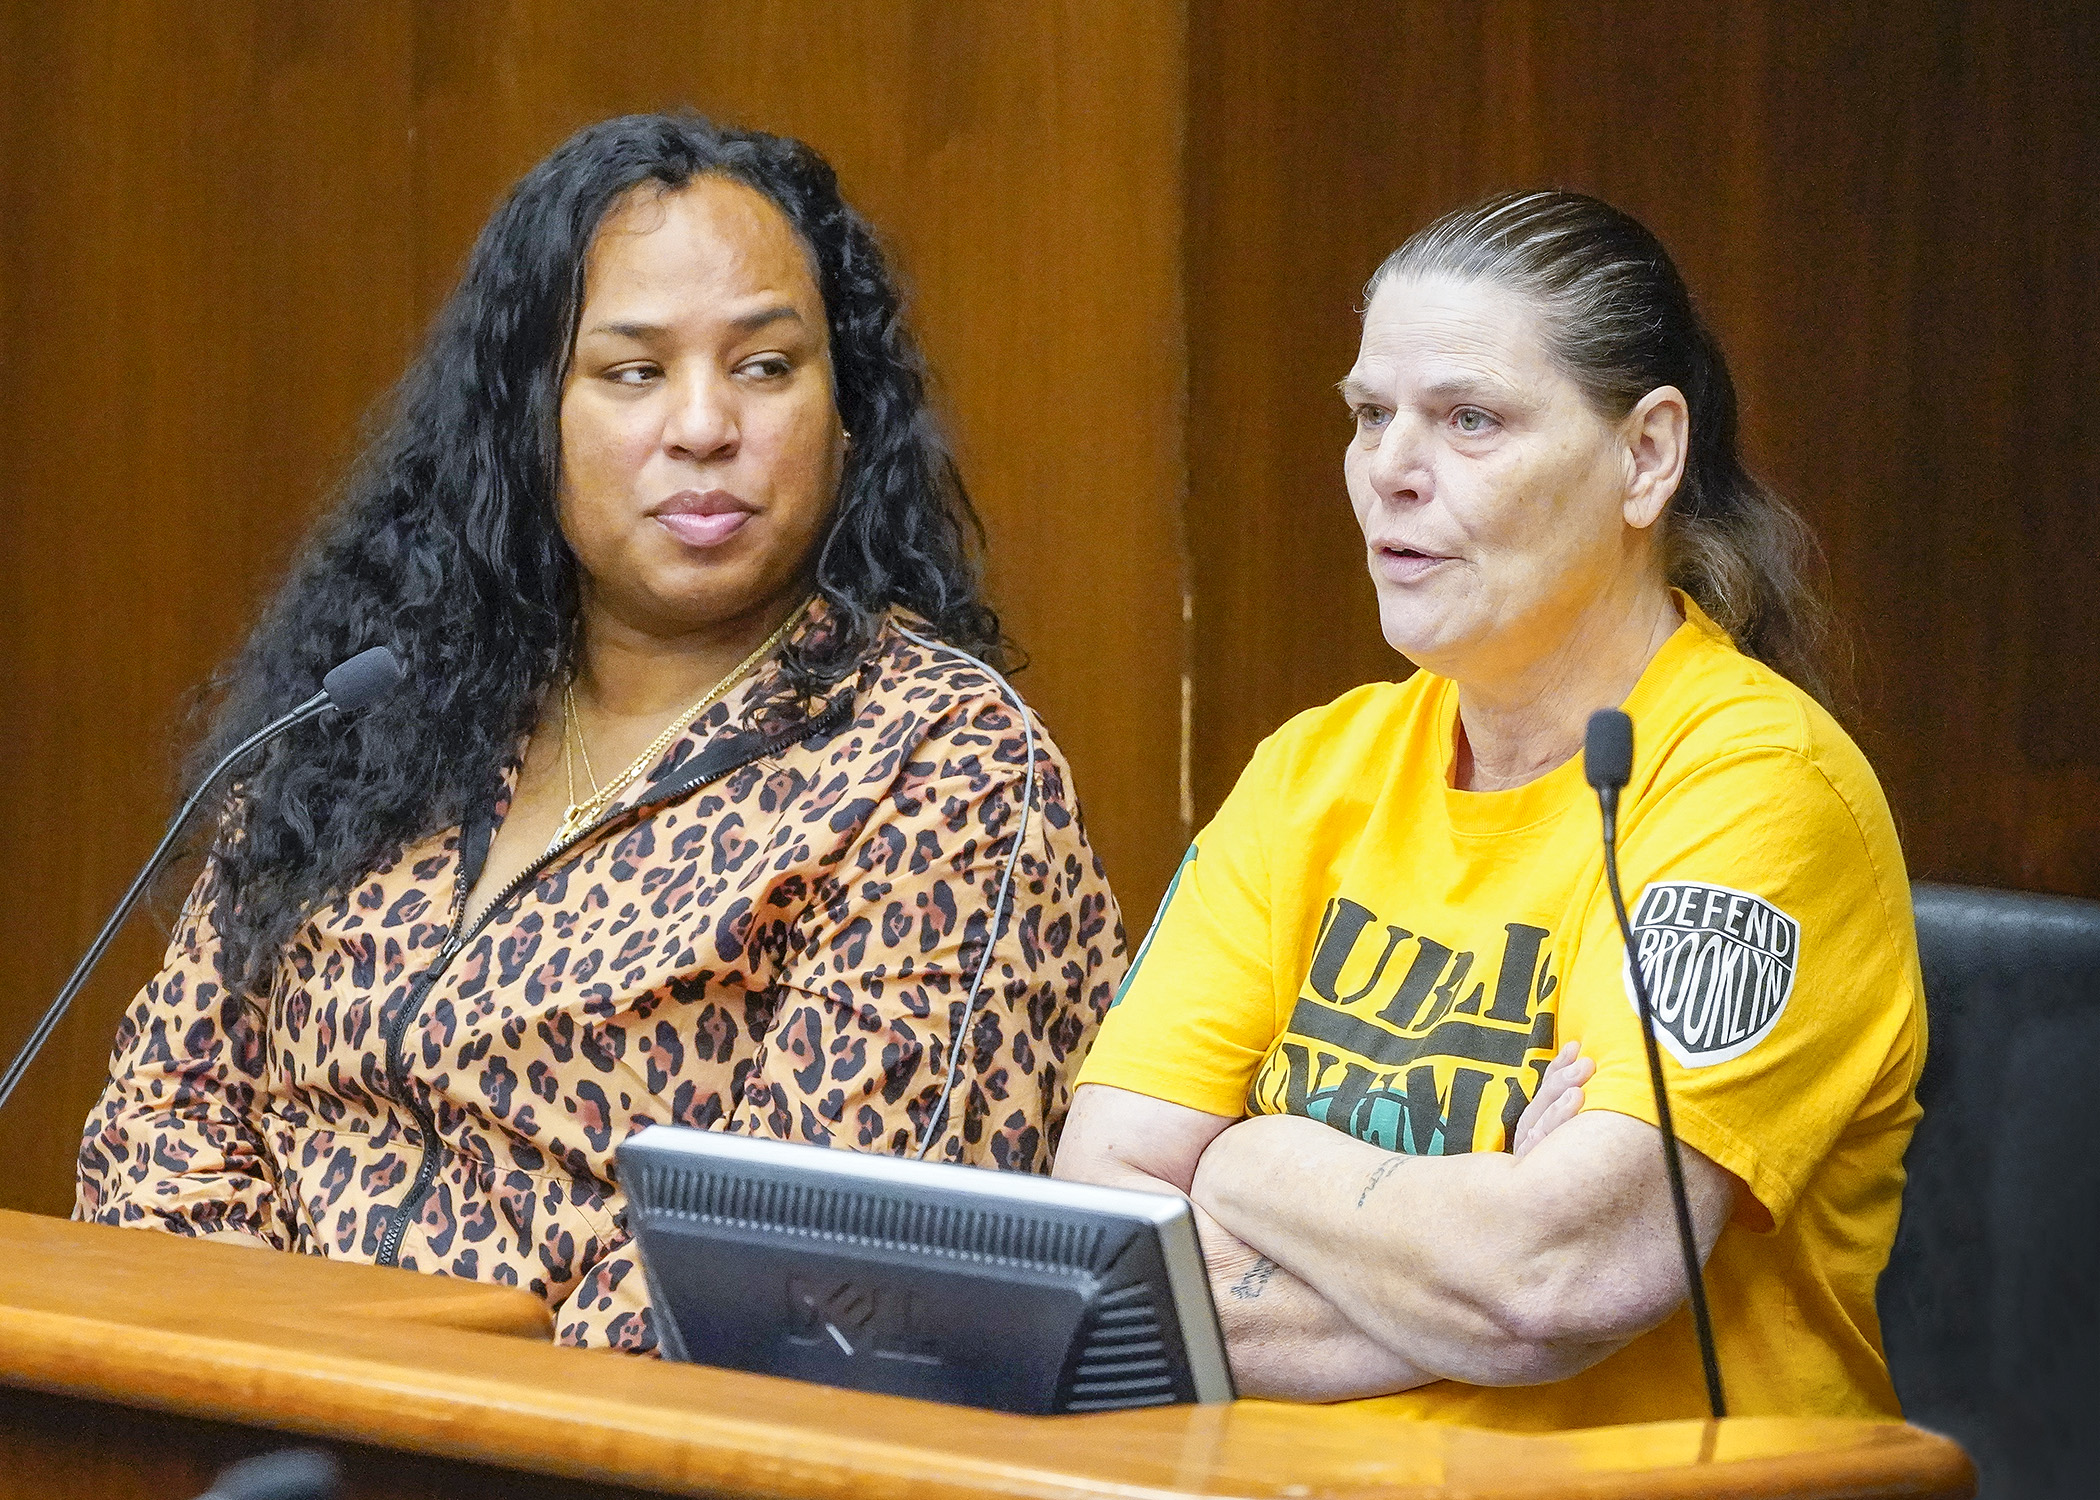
(1657, 434)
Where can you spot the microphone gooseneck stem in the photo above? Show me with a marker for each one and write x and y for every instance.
(312, 708)
(1673, 1163)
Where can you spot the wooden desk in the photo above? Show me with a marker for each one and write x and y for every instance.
(133, 1363)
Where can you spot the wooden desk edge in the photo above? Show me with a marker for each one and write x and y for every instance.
(331, 1369)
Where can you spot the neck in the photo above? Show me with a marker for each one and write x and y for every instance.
(625, 672)
(1515, 727)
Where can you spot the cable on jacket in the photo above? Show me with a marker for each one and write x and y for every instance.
(1001, 910)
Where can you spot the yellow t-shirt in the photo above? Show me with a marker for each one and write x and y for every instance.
(1353, 940)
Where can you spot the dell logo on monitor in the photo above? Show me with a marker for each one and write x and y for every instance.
(858, 1318)
(1001, 1290)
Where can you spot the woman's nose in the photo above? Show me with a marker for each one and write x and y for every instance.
(702, 419)
(1398, 470)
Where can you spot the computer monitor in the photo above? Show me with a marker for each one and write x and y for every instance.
(959, 1284)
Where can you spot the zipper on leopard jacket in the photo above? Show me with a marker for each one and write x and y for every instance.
(395, 1032)
(397, 1069)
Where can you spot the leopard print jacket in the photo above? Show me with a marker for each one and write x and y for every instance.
(776, 935)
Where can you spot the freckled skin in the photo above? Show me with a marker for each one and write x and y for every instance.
(1510, 527)
(1471, 442)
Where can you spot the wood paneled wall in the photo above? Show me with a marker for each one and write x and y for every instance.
(1891, 215)
(1137, 230)
(223, 227)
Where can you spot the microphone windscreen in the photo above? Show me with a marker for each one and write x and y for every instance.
(288, 1474)
(363, 680)
(1607, 749)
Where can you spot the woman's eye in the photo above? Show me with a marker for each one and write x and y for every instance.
(766, 367)
(632, 374)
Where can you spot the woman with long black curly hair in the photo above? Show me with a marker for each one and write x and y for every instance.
(702, 801)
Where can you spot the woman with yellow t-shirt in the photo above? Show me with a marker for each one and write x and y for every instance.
(1351, 1037)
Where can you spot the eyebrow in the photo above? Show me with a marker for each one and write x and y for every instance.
(1459, 387)
(753, 321)
(1450, 388)
(749, 323)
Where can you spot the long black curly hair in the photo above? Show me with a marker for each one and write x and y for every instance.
(444, 544)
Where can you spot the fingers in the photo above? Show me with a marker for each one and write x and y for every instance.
(1558, 1100)
(1565, 1107)
(1568, 1070)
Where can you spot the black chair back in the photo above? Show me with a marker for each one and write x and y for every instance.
(1990, 1306)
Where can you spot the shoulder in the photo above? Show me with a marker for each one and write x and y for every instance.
(950, 745)
(1713, 710)
(1730, 755)
(934, 707)
(1371, 722)
(1324, 768)
(920, 682)
(907, 663)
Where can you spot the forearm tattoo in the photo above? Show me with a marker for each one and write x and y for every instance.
(1379, 1174)
(1255, 1279)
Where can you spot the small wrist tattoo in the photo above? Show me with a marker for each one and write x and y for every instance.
(1379, 1174)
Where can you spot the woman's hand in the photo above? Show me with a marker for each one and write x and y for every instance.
(1558, 1100)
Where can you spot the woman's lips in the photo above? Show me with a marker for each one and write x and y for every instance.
(703, 520)
(697, 530)
(1405, 565)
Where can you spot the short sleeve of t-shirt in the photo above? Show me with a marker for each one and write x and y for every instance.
(1197, 1011)
(1774, 930)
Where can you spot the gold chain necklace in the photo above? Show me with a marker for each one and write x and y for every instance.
(568, 763)
(582, 814)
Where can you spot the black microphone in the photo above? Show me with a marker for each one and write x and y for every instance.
(357, 683)
(1607, 760)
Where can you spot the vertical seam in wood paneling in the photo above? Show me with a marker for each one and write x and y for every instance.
(1185, 761)
(1188, 700)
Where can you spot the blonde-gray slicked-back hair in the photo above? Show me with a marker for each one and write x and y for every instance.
(1620, 321)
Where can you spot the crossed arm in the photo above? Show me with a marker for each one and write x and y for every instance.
(1343, 1270)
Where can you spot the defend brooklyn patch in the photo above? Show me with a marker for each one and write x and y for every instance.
(1720, 966)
